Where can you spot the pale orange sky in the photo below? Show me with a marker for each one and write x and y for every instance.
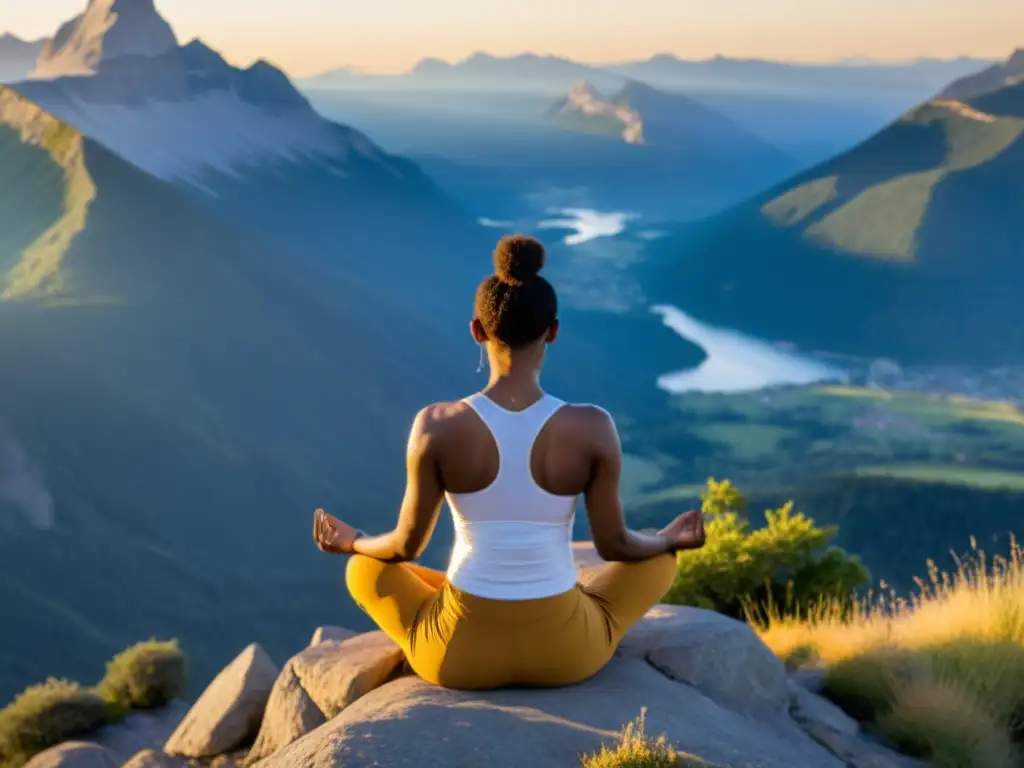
(309, 36)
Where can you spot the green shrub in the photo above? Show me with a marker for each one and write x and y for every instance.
(145, 676)
(787, 567)
(45, 715)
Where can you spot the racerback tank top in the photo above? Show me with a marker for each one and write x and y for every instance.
(513, 539)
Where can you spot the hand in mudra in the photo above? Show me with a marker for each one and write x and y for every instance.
(686, 531)
(332, 535)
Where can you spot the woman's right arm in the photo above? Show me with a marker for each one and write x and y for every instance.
(613, 541)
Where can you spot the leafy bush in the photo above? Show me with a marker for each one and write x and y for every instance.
(787, 567)
(147, 675)
(45, 715)
(636, 750)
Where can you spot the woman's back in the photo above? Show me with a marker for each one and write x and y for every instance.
(513, 480)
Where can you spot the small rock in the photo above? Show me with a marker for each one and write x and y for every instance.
(150, 758)
(721, 657)
(320, 682)
(810, 708)
(74, 754)
(335, 634)
(229, 710)
(809, 678)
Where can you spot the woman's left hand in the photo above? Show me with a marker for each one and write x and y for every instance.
(332, 535)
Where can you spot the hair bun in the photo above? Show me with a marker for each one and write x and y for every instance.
(518, 258)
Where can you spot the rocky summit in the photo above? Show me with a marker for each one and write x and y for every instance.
(705, 682)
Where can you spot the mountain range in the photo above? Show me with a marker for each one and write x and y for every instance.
(907, 246)
(246, 143)
(528, 71)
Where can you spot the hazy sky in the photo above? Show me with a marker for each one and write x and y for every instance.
(307, 36)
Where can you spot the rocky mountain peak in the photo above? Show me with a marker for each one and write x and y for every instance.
(106, 30)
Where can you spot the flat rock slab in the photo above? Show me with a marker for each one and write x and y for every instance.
(411, 723)
(230, 709)
(75, 754)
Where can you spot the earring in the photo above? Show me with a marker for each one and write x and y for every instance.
(480, 367)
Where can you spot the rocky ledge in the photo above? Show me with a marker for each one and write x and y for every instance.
(706, 682)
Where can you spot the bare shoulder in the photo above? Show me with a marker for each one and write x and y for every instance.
(591, 423)
(438, 419)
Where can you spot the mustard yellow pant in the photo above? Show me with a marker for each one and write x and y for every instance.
(462, 641)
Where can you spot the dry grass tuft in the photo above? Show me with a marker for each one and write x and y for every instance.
(636, 750)
(940, 675)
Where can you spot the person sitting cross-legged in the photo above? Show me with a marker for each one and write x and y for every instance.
(512, 462)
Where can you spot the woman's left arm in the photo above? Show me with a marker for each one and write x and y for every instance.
(422, 503)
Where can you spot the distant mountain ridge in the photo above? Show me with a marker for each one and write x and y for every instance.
(668, 70)
(907, 246)
(549, 73)
(1006, 73)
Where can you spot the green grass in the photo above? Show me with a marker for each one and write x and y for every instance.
(747, 441)
(973, 477)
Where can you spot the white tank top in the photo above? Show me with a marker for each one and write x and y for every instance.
(513, 539)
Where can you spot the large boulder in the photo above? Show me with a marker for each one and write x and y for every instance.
(229, 711)
(408, 722)
(75, 754)
(319, 683)
(720, 656)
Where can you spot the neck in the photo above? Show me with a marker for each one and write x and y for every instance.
(514, 378)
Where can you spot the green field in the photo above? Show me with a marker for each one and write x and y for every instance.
(785, 437)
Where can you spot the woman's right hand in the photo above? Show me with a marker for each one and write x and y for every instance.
(332, 535)
(686, 531)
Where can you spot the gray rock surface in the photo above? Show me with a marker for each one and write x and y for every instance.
(141, 731)
(809, 709)
(722, 657)
(411, 723)
(75, 754)
(321, 682)
(229, 710)
(150, 758)
(337, 634)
